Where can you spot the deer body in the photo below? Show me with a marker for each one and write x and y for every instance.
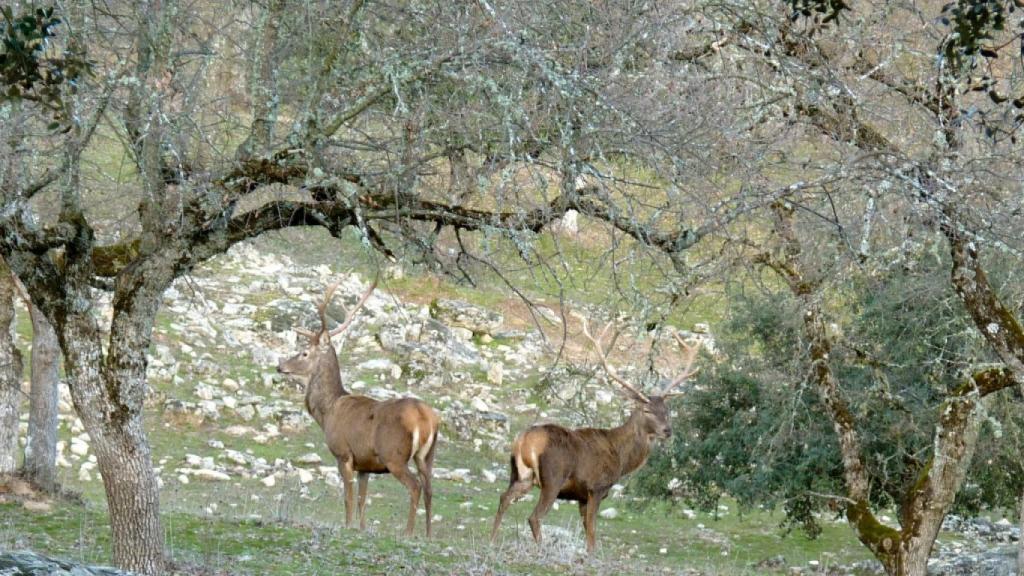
(577, 464)
(583, 464)
(366, 436)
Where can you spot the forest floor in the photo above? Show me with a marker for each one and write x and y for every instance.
(242, 525)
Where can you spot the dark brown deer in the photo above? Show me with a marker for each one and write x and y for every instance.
(583, 464)
(366, 436)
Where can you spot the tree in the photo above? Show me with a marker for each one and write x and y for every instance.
(40, 465)
(375, 97)
(10, 374)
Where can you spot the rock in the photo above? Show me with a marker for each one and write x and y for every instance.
(460, 314)
(609, 513)
(479, 405)
(495, 373)
(269, 481)
(246, 412)
(210, 475)
(293, 421)
(309, 459)
(37, 505)
(305, 476)
(230, 384)
(462, 334)
(27, 563)
(489, 476)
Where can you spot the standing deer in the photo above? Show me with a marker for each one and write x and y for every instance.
(583, 464)
(366, 436)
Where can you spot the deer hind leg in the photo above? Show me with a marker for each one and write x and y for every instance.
(551, 480)
(517, 486)
(402, 473)
(424, 458)
(363, 478)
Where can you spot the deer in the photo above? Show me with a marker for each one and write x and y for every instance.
(583, 464)
(365, 435)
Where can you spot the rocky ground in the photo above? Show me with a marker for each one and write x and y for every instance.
(221, 334)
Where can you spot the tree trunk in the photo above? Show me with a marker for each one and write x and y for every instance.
(41, 450)
(133, 499)
(1020, 540)
(10, 374)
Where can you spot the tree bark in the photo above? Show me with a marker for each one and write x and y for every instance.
(10, 374)
(41, 449)
(1020, 540)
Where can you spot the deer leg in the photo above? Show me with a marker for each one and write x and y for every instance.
(516, 489)
(590, 521)
(346, 470)
(401, 472)
(548, 494)
(364, 478)
(425, 469)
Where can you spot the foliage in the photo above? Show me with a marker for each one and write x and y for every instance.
(760, 441)
(28, 70)
(826, 11)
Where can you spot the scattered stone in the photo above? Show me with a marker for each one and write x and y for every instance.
(609, 513)
(460, 314)
(309, 459)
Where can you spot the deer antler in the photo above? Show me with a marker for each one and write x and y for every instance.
(604, 359)
(689, 355)
(351, 314)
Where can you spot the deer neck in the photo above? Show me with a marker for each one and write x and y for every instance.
(632, 443)
(324, 387)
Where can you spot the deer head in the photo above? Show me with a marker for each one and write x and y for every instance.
(319, 351)
(651, 409)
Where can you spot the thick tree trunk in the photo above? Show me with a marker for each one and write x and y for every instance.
(10, 374)
(41, 450)
(133, 499)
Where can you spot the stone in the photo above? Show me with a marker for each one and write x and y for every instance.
(461, 314)
(495, 373)
(309, 459)
(609, 513)
(305, 476)
(269, 481)
(27, 563)
(210, 475)
(246, 412)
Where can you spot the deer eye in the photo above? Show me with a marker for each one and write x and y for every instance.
(304, 354)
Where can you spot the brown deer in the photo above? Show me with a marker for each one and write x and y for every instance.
(366, 436)
(583, 464)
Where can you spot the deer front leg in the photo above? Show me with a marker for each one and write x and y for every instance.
(363, 479)
(590, 521)
(345, 468)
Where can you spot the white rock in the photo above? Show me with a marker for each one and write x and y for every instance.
(305, 476)
(479, 405)
(495, 373)
(609, 513)
(489, 476)
(211, 475)
(311, 458)
(182, 478)
(269, 481)
(230, 384)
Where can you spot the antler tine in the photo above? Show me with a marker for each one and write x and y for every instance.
(304, 332)
(604, 359)
(689, 356)
(321, 309)
(350, 315)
